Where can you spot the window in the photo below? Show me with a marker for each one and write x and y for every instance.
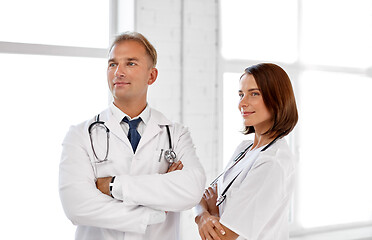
(334, 159)
(40, 99)
(328, 58)
(257, 23)
(49, 80)
(340, 34)
(82, 23)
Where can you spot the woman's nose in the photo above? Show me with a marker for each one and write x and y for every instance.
(243, 102)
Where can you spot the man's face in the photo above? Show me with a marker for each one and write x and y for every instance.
(129, 72)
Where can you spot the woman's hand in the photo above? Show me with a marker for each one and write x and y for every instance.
(209, 227)
(210, 197)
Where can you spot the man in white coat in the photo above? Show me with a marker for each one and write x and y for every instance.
(114, 187)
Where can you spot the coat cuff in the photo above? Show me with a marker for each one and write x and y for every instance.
(117, 191)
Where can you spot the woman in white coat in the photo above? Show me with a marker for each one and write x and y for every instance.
(250, 199)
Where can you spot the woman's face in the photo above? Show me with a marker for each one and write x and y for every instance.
(252, 106)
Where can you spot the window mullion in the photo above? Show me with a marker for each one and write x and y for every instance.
(53, 50)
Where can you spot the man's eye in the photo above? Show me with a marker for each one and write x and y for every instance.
(112, 64)
(241, 96)
(131, 64)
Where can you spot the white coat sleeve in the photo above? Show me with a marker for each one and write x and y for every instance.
(83, 203)
(260, 199)
(175, 191)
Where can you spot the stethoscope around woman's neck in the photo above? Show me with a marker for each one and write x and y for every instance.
(239, 157)
(259, 144)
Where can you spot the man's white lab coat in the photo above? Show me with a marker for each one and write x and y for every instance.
(146, 187)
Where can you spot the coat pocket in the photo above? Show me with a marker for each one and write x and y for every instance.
(159, 162)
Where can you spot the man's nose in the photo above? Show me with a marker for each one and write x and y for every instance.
(120, 72)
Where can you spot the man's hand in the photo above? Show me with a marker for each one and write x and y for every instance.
(175, 166)
(103, 184)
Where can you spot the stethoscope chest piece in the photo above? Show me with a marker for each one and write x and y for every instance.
(170, 156)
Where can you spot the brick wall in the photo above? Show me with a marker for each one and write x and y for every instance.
(185, 36)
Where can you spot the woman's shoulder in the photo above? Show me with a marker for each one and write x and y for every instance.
(243, 145)
(278, 154)
(278, 148)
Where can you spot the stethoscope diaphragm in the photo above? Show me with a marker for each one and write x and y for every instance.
(170, 156)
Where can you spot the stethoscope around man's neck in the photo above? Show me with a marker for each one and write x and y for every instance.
(239, 157)
(97, 123)
(169, 155)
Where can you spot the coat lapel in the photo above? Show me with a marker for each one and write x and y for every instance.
(115, 128)
(153, 127)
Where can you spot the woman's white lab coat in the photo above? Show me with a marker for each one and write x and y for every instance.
(146, 189)
(257, 203)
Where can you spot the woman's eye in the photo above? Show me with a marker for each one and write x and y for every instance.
(254, 94)
(241, 96)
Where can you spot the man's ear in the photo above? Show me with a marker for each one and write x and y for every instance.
(153, 76)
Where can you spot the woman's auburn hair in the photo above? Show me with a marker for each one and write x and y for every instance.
(277, 93)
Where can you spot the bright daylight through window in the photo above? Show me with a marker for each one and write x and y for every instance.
(40, 97)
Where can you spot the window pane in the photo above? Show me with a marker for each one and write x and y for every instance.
(340, 34)
(40, 97)
(335, 162)
(69, 22)
(259, 30)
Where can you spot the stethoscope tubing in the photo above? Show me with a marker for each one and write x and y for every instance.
(221, 198)
(169, 155)
(96, 123)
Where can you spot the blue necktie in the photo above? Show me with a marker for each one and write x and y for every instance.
(133, 135)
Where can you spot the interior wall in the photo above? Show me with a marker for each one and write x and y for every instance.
(185, 35)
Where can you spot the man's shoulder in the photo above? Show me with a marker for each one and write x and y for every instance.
(160, 118)
(100, 116)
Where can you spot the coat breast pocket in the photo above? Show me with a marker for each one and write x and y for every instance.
(160, 165)
(117, 163)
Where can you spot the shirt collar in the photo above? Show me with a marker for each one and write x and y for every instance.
(119, 115)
